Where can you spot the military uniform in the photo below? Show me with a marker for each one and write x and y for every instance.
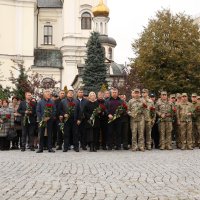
(136, 113)
(184, 118)
(164, 110)
(149, 118)
(197, 121)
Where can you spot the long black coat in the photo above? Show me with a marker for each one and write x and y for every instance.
(88, 110)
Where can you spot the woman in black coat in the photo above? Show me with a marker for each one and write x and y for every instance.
(91, 112)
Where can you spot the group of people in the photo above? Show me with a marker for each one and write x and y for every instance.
(105, 120)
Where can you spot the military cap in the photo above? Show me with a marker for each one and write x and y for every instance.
(194, 94)
(172, 96)
(152, 95)
(184, 95)
(163, 93)
(178, 95)
(136, 90)
(145, 90)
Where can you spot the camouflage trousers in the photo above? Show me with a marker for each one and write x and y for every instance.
(178, 136)
(147, 130)
(186, 134)
(165, 130)
(195, 135)
(137, 129)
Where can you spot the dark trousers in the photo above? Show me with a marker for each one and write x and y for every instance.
(82, 134)
(4, 143)
(102, 133)
(124, 133)
(155, 135)
(18, 140)
(54, 132)
(49, 135)
(92, 134)
(71, 129)
(28, 131)
(114, 133)
(59, 135)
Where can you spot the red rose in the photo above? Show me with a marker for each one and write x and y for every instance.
(31, 104)
(144, 105)
(103, 108)
(125, 106)
(152, 108)
(71, 104)
(8, 116)
(49, 105)
(174, 109)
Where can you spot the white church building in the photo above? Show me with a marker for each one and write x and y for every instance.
(50, 36)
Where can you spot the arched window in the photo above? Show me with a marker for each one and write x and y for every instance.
(86, 21)
(110, 53)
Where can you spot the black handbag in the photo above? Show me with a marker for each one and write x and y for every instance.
(11, 134)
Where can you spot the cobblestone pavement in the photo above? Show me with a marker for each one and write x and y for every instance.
(155, 175)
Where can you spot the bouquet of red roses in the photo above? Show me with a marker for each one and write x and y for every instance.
(47, 113)
(119, 111)
(70, 110)
(96, 112)
(4, 118)
(152, 111)
(29, 107)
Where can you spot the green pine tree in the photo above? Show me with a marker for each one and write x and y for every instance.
(21, 83)
(94, 75)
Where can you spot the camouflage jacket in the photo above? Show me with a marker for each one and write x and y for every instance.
(185, 112)
(136, 109)
(197, 112)
(165, 108)
(149, 110)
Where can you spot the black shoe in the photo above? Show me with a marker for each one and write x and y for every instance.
(125, 148)
(23, 149)
(39, 151)
(104, 148)
(117, 148)
(109, 148)
(51, 151)
(58, 148)
(65, 150)
(32, 149)
(76, 149)
(84, 148)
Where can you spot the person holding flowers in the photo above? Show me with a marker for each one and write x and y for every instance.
(68, 113)
(27, 109)
(185, 112)
(149, 117)
(114, 109)
(46, 112)
(6, 122)
(136, 107)
(92, 111)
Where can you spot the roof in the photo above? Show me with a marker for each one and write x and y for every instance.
(49, 3)
(116, 69)
(107, 40)
(48, 58)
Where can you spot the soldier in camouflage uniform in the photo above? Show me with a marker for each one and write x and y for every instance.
(164, 111)
(194, 127)
(135, 111)
(149, 117)
(178, 141)
(197, 120)
(184, 119)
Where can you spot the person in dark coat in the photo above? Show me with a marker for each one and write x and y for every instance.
(27, 109)
(40, 110)
(92, 124)
(81, 122)
(114, 127)
(68, 112)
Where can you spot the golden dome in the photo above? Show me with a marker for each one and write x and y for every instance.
(101, 10)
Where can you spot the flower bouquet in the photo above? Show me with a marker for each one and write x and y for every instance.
(47, 113)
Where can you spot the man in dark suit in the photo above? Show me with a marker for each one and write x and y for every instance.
(81, 102)
(68, 111)
(27, 109)
(41, 106)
